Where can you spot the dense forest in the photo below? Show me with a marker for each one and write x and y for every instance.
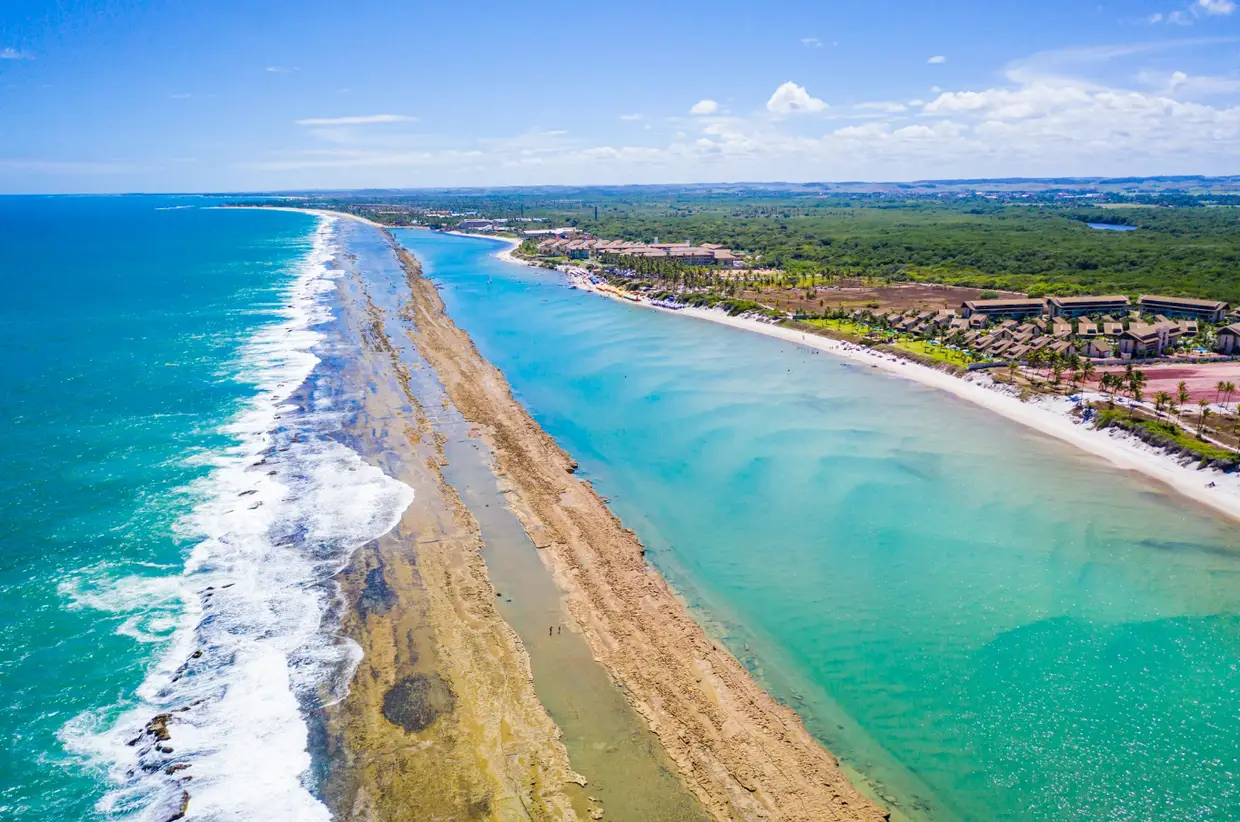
(1035, 240)
(1035, 249)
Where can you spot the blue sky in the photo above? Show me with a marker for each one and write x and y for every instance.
(210, 96)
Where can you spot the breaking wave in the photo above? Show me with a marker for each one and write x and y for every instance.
(249, 635)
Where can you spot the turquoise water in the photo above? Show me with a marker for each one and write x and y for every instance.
(152, 352)
(984, 622)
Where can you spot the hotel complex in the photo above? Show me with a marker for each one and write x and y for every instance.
(704, 254)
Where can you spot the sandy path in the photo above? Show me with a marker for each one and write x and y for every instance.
(743, 754)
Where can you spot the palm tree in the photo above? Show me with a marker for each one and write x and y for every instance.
(1108, 384)
(1218, 390)
(1204, 405)
(1182, 394)
(1087, 371)
(1229, 388)
(1137, 394)
(1161, 400)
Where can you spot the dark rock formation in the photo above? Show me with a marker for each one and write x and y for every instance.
(415, 702)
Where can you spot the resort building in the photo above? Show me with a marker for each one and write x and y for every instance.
(1211, 311)
(476, 225)
(1094, 347)
(1006, 308)
(708, 254)
(1080, 306)
(1145, 340)
(1228, 340)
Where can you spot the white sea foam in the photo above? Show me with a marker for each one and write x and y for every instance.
(277, 516)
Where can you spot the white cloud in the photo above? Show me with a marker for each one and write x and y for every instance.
(1051, 115)
(1189, 87)
(185, 95)
(630, 117)
(14, 54)
(793, 99)
(812, 42)
(1216, 6)
(704, 107)
(938, 58)
(279, 69)
(365, 120)
(887, 106)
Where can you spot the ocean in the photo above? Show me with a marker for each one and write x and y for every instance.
(983, 623)
(174, 507)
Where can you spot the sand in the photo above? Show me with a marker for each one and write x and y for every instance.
(441, 720)
(744, 755)
(1217, 490)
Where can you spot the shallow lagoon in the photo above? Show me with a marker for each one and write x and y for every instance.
(984, 622)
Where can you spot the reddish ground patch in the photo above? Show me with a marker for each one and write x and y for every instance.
(1199, 379)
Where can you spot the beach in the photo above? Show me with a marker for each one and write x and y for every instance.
(1217, 490)
(441, 715)
(743, 754)
(739, 751)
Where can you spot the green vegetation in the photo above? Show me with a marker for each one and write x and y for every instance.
(1167, 434)
(1030, 237)
(927, 352)
(1038, 250)
(844, 329)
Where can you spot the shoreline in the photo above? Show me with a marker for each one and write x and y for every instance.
(739, 750)
(1047, 415)
(441, 717)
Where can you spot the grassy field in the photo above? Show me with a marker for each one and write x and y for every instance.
(924, 350)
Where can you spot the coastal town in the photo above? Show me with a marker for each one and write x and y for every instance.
(994, 329)
(1172, 361)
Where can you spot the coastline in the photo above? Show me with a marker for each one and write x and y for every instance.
(317, 212)
(1211, 488)
(742, 753)
(441, 718)
(1048, 415)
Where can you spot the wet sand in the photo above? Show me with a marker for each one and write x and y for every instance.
(441, 719)
(742, 754)
(453, 714)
